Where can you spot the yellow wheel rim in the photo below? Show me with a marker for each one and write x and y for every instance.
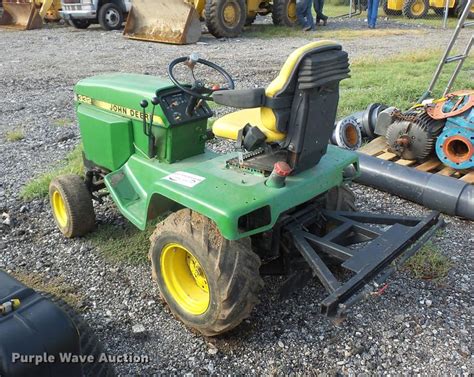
(185, 279)
(418, 7)
(230, 14)
(292, 10)
(59, 209)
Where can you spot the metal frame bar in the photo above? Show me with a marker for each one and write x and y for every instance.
(447, 59)
(361, 247)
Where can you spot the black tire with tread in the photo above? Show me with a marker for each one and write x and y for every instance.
(407, 9)
(280, 13)
(103, 22)
(340, 198)
(80, 24)
(215, 22)
(78, 202)
(90, 344)
(231, 267)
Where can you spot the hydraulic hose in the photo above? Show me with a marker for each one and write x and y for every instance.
(438, 192)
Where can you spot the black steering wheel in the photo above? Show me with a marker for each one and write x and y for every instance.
(197, 89)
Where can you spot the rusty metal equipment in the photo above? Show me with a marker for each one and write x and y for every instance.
(165, 21)
(413, 134)
(28, 14)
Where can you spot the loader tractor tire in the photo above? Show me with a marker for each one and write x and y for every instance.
(80, 24)
(388, 11)
(460, 6)
(90, 344)
(416, 8)
(225, 18)
(71, 203)
(284, 13)
(340, 198)
(110, 17)
(209, 283)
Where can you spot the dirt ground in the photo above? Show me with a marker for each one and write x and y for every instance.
(416, 327)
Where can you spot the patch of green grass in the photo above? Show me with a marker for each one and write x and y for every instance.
(398, 81)
(15, 135)
(429, 263)
(38, 187)
(62, 122)
(123, 243)
(55, 286)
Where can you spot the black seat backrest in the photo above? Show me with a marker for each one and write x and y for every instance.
(314, 106)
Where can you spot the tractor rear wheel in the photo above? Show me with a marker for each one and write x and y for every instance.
(284, 12)
(225, 18)
(416, 8)
(340, 198)
(89, 342)
(71, 203)
(209, 283)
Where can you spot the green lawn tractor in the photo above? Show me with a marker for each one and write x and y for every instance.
(278, 204)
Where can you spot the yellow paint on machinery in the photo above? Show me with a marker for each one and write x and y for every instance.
(178, 21)
(167, 21)
(253, 6)
(417, 6)
(28, 14)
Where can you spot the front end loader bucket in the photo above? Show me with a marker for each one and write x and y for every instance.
(168, 21)
(21, 15)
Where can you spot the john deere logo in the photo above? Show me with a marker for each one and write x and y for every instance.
(117, 109)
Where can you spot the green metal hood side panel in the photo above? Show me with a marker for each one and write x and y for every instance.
(225, 194)
(122, 89)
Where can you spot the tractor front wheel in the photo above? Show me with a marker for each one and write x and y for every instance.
(284, 12)
(225, 18)
(71, 203)
(209, 283)
(416, 8)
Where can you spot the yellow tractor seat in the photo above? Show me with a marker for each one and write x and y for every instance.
(270, 109)
(229, 125)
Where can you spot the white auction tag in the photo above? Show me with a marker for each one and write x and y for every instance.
(185, 179)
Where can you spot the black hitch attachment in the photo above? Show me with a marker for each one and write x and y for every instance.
(367, 246)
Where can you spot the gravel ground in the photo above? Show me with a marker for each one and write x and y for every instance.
(416, 327)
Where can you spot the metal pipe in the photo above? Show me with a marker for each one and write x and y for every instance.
(445, 15)
(438, 192)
